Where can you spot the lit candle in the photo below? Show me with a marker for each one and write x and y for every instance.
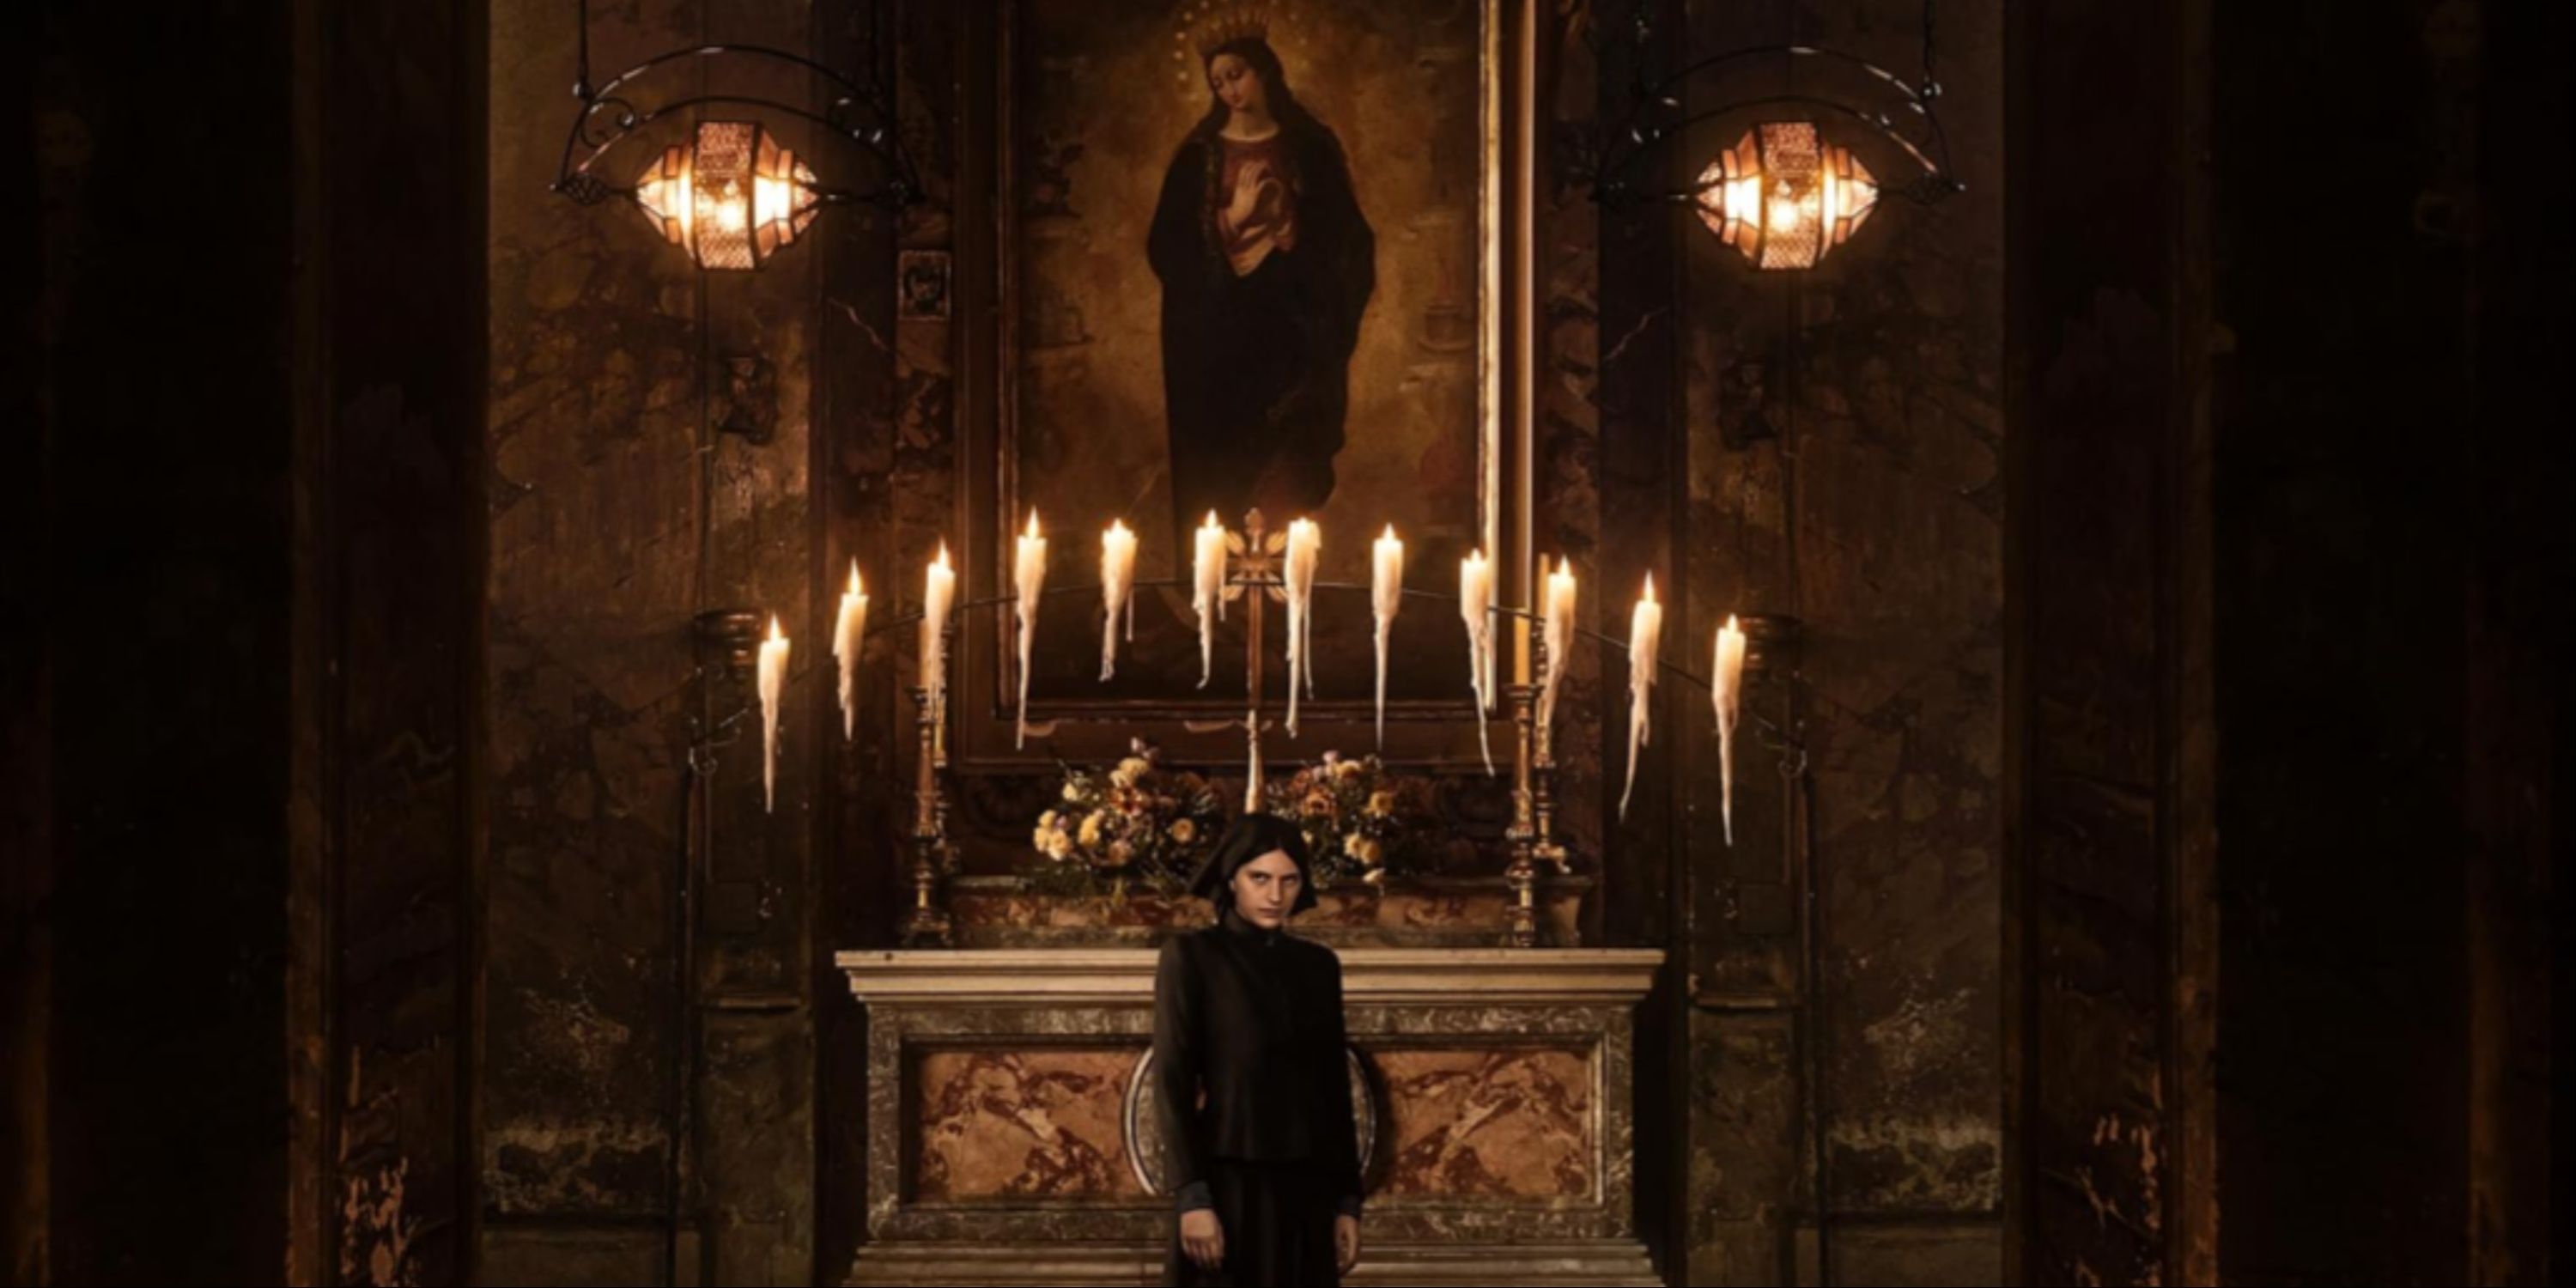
(1386, 594)
(1726, 693)
(1117, 579)
(1557, 630)
(1645, 632)
(1305, 546)
(1028, 579)
(1207, 590)
(773, 681)
(849, 633)
(1475, 608)
(938, 592)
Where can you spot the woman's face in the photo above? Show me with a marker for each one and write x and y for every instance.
(1236, 84)
(1266, 888)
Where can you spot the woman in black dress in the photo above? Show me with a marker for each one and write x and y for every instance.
(1251, 1083)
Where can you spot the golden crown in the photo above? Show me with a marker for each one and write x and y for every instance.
(1208, 25)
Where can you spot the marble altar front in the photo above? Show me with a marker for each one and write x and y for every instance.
(1006, 1145)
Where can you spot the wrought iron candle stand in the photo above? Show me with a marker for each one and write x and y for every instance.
(1253, 578)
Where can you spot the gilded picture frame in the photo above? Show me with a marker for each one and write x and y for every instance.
(1074, 322)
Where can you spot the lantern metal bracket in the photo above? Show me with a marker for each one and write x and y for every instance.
(1905, 116)
(853, 110)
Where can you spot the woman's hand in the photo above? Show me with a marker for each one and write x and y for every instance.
(1204, 1239)
(1247, 193)
(1346, 1242)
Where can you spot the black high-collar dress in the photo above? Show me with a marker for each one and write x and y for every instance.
(1253, 1093)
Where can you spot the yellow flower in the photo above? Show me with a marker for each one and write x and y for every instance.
(1047, 819)
(1366, 849)
(1184, 831)
(1381, 803)
(1119, 853)
(1346, 768)
(1128, 771)
(1072, 793)
(1090, 830)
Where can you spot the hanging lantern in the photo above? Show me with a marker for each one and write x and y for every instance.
(1785, 197)
(731, 198)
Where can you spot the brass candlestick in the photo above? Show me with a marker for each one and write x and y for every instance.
(926, 924)
(1523, 833)
(1533, 830)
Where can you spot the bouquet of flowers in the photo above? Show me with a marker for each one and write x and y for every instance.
(1360, 821)
(1139, 822)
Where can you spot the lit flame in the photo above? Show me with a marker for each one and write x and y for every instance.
(1784, 197)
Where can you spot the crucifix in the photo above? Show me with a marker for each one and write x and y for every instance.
(1253, 578)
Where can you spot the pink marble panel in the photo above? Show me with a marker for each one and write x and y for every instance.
(1510, 1123)
(999, 1123)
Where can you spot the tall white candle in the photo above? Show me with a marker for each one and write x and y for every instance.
(849, 637)
(1117, 580)
(773, 682)
(1475, 608)
(938, 593)
(1645, 633)
(1386, 595)
(1207, 589)
(1556, 620)
(1028, 581)
(1297, 574)
(1726, 693)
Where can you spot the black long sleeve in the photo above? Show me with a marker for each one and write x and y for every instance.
(1177, 1069)
(1341, 1123)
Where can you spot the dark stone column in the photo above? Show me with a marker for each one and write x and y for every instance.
(167, 444)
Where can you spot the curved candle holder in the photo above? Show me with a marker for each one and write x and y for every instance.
(1253, 579)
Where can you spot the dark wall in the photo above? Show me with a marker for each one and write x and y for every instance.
(239, 645)
(2108, 667)
(2290, 703)
(394, 574)
(659, 996)
(166, 620)
(2387, 503)
(1831, 450)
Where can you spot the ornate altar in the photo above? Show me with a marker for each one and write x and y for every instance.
(1007, 1141)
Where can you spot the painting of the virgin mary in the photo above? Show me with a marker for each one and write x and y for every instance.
(1243, 270)
(1266, 265)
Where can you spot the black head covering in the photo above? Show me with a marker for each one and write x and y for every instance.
(1246, 839)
